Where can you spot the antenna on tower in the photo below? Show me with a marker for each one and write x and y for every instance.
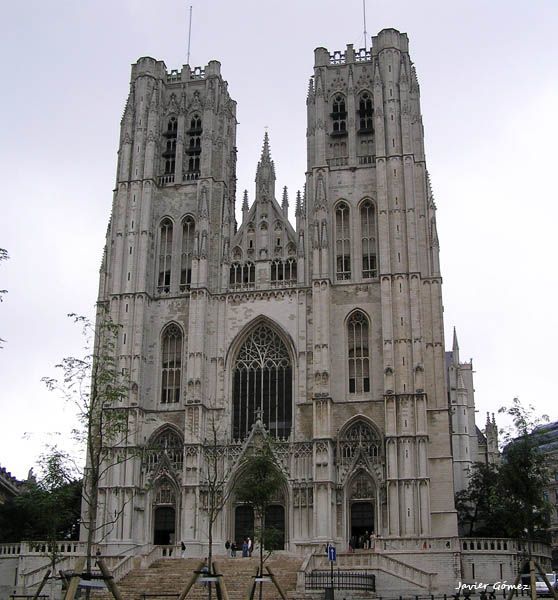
(189, 36)
(364, 19)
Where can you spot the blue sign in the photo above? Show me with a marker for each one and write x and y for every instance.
(331, 553)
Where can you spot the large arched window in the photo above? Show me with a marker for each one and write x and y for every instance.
(342, 242)
(359, 368)
(368, 240)
(171, 364)
(262, 384)
(188, 227)
(165, 256)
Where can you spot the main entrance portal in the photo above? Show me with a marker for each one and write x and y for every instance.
(163, 531)
(275, 520)
(362, 521)
(243, 524)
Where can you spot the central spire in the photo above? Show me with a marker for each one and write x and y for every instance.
(265, 173)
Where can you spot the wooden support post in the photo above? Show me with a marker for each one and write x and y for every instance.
(276, 583)
(545, 579)
(252, 587)
(191, 581)
(109, 579)
(74, 581)
(533, 579)
(513, 589)
(42, 584)
(221, 585)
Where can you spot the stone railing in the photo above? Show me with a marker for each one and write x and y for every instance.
(509, 545)
(370, 560)
(10, 550)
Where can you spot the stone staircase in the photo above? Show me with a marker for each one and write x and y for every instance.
(169, 576)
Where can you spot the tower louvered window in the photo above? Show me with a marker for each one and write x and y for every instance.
(193, 150)
(339, 115)
(188, 227)
(169, 154)
(359, 368)
(365, 114)
(171, 364)
(342, 242)
(165, 257)
(262, 385)
(368, 240)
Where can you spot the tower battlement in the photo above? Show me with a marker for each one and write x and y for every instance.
(386, 39)
(148, 66)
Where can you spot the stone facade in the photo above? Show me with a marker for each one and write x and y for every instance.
(329, 334)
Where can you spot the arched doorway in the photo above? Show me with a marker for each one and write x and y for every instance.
(362, 507)
(243, 523)
(164, 513)
(362, 521)
(165, 526)
(275, 520)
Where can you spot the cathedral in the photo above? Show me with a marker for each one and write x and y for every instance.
(325, 335)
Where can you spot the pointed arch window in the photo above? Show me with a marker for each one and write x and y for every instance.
(283, 272)
(166, 443)
(188, 228)
(171, 364)
(165, 256)
(359, 367)
(359, 436)
(262, 385)
(368, 240)
(365, 113)
(194, 147)
(339, 115)
(342, 242)
(169, 154)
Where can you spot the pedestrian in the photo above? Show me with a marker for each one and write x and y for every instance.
(204, 571)
(372, 542)
(250, 547)
(233, 549)
(244, 548)
(182, 550)
(227, 546)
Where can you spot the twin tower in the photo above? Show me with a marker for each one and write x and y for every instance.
(327, 336)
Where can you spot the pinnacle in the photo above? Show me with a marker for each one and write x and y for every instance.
(285, 202)
(265, 150)
(245, 201)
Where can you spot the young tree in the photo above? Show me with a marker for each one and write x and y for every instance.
(477, 504)
(96, 385)
(214, 485)
(260, 482)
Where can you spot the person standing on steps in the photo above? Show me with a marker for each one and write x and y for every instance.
(227, 547)
(250, 546)
(182, 550)
(244, 548)
(233, 549)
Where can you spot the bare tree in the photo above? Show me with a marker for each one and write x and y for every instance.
(96, 386)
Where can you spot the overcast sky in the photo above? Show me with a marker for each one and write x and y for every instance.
(489, 94)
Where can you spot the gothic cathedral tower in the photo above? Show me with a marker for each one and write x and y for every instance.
(327, 337)
(375, 277)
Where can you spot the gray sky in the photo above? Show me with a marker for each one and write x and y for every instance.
(489, 93)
